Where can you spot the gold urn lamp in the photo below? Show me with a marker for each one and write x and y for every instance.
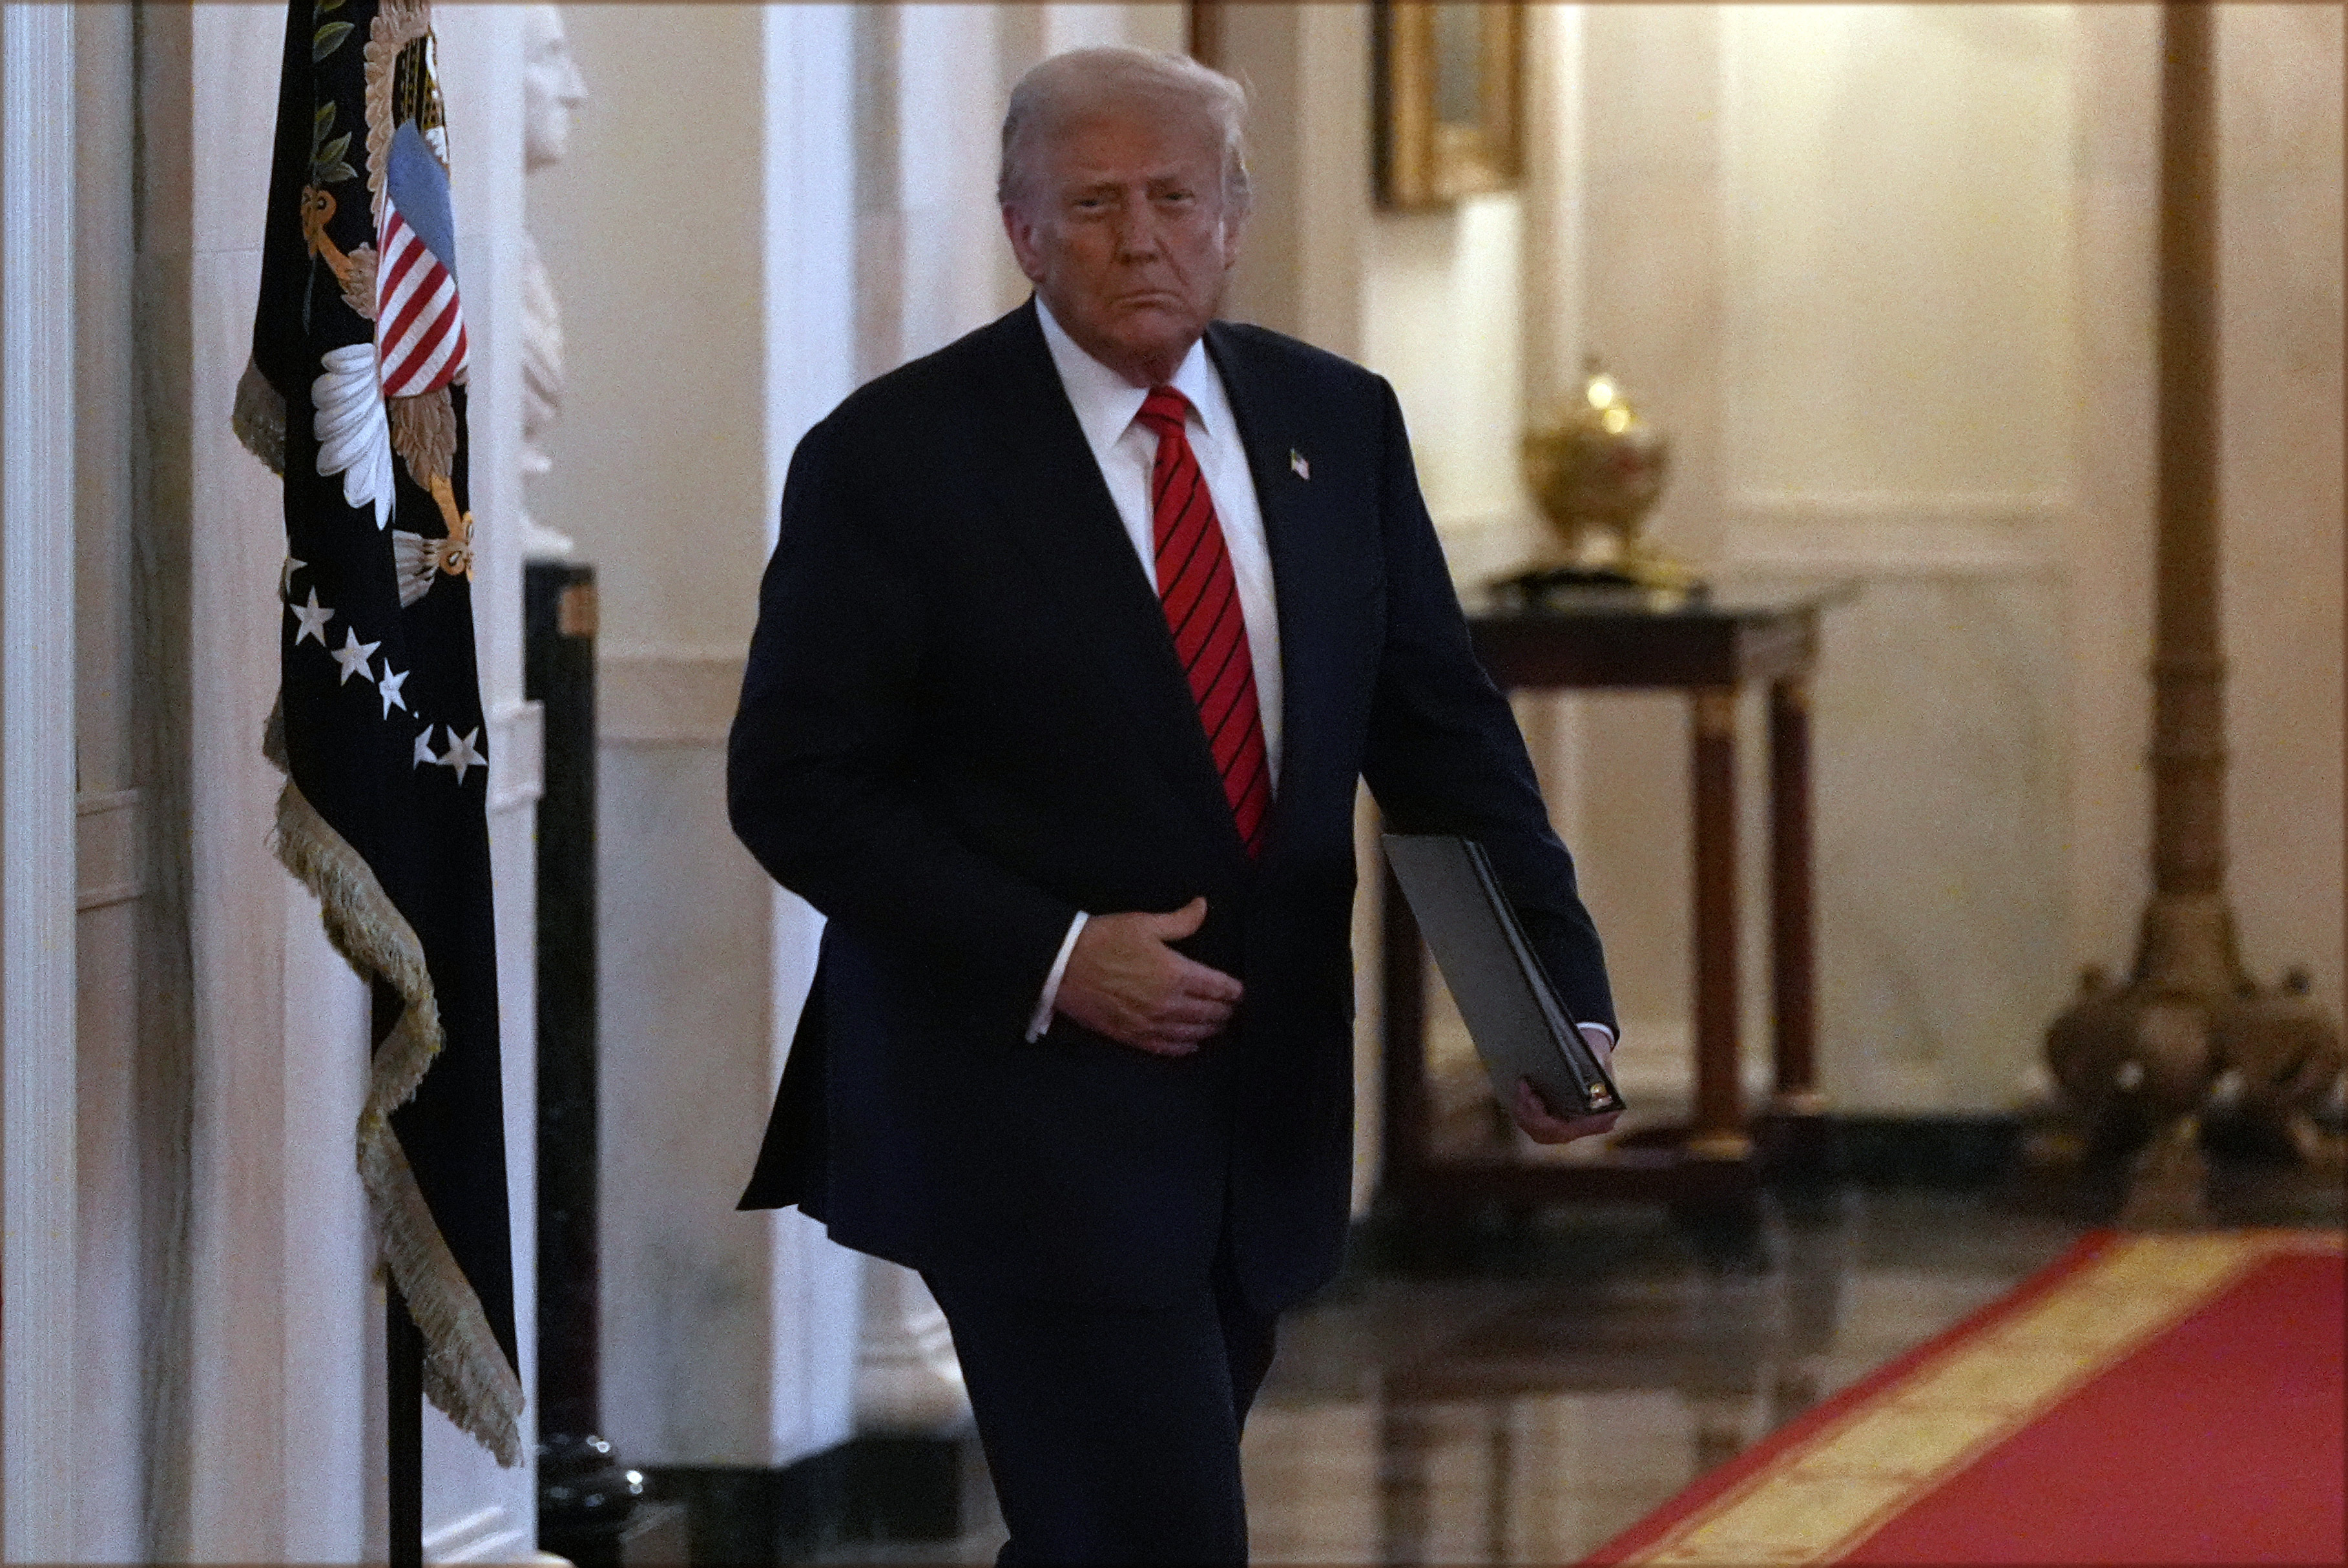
(1597, 469)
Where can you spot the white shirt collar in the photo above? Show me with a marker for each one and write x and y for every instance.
(1105, 403)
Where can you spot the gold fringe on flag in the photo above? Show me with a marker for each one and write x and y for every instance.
(466, 1373)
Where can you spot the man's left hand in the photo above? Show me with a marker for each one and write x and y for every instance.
(1543, 1125)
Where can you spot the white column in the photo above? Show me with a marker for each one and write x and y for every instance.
(808, 245)
(38, 1179)
(218, 1441)
(1553, 204)
(948, 233)
(473, 1511)
(1300, 265)
(333, 1458)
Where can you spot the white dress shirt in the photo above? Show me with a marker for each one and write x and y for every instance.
(1126, 449)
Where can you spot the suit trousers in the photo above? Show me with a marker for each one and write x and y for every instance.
(1113, 1434)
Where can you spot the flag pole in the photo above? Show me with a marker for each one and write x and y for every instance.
(403, 1366)
(403, 1430)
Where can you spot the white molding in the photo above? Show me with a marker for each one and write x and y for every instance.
(1893, 534)
(517, 756)
(37, 1154)
(203, 130)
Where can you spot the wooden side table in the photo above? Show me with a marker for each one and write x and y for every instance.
(1711, 649)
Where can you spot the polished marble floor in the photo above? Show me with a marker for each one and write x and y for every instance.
(1550, 1383)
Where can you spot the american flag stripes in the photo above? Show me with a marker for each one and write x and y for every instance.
(419, 329)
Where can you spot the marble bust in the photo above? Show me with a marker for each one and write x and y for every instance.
(549, 85)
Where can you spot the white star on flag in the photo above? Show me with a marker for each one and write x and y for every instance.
(462, 755)
(424, 748)
(389, 686)
(314, 621)
(285, 577)
(352, 656)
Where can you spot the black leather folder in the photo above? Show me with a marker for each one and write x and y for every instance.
(1520, 1026)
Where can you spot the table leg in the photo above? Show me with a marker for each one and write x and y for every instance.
(1793, 960)
(1718, 1131)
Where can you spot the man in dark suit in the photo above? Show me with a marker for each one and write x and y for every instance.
(1077, 637)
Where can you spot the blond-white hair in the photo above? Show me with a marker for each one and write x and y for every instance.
(1082, 84)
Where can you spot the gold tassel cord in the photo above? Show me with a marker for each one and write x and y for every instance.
(259, 418)
(465, 1371)
(466, 1374)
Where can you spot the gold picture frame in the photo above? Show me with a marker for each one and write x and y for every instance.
(1448, 99)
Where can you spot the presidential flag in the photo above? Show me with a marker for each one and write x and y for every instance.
(356, 396)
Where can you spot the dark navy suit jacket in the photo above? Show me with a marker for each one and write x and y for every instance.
(962, 721)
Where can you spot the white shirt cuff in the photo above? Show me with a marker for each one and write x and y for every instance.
(1042, 1019)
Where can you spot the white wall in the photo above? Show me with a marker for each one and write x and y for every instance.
(1898, 385)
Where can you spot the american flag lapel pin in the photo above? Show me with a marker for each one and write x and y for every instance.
(1296, 461)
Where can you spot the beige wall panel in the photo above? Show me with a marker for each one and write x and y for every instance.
(684, 1019)
(1442, 313)
(649, 235)
(1897, 184)
(699, 236)
(2280, 259)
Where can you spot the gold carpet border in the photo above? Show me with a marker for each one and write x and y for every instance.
(1821, 1498)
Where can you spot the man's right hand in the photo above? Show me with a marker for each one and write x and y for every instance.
(1124, 981)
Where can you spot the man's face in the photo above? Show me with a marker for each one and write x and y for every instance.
(1124, 231)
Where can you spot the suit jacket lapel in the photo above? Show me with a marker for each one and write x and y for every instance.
(1043, 481)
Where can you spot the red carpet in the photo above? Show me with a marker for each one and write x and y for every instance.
(2146, 1399)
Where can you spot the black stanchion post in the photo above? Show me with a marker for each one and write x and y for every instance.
(587, 1500)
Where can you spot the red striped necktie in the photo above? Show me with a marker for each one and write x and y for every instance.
(1202, 602)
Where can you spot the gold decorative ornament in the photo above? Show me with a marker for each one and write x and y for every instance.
(1597, 469)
